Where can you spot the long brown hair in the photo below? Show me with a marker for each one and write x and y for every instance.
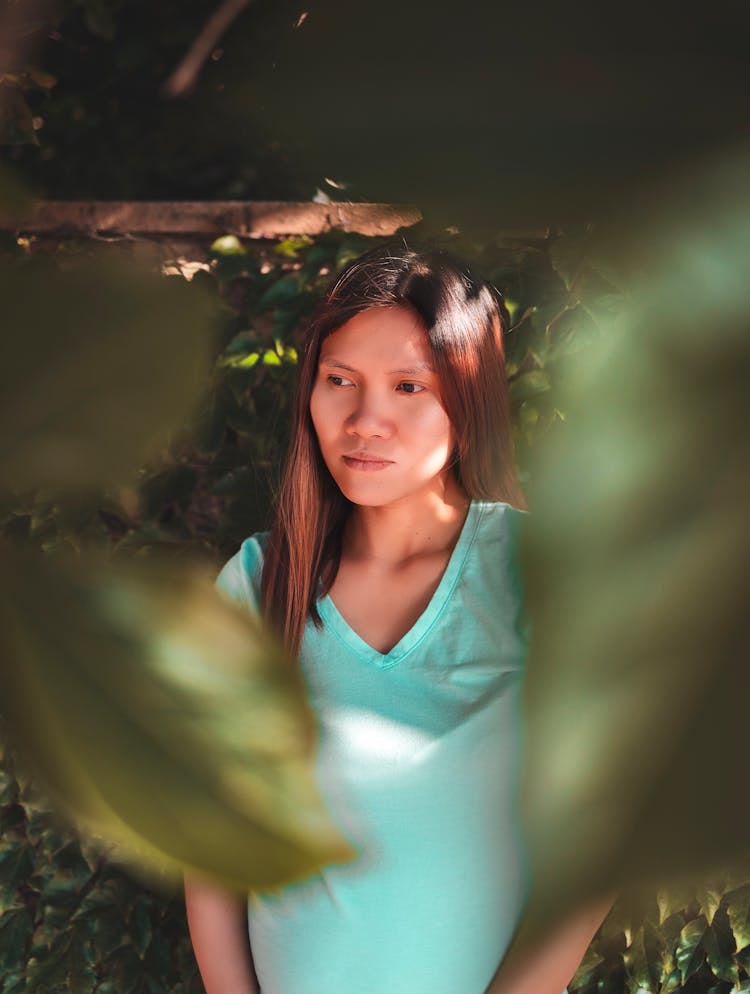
(464, 320)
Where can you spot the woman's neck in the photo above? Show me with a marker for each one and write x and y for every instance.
(420, 525)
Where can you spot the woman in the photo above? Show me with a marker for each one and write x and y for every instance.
(391, 572)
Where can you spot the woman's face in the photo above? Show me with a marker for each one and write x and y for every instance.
(376, 408)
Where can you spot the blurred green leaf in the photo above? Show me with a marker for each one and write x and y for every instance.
(103, 360)
(568, 146)
(290, 248)
(160, 714)
(640, 533)
(228, 245)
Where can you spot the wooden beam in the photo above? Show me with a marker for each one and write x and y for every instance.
(246, 219)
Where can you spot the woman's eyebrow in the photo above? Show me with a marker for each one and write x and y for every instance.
(421, 367)
(330, 361)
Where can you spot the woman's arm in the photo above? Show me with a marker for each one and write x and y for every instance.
(218, 930)
(552, 964)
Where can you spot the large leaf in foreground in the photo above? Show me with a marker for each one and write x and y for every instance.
(491, 115)
(161, 716)
(97, 364)
(638, 553)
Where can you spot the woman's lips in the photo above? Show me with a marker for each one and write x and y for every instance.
(366, 463)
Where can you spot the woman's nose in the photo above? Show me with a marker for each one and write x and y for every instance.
(369, 417)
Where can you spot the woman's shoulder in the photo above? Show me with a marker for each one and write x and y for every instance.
(496, 544)
(240, 576)
(499, 521)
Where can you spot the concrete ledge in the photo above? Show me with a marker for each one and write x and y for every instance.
(246, 219)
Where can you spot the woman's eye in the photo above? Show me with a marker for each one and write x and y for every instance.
(410, 387)
(338, 381)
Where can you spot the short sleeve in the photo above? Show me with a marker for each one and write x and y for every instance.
(516, 524)
(522, 522)
(241, 575)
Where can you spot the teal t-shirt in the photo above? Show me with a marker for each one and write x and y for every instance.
(418, 755)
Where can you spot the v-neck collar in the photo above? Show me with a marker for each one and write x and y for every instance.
(346, 634)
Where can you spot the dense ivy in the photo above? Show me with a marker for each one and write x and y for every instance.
(70, 920)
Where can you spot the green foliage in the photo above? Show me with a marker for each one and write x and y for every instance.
(666, 943)
(84, 341)
(71, 919)
(75, 919)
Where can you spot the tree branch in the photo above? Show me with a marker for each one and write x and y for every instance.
(184, 77)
